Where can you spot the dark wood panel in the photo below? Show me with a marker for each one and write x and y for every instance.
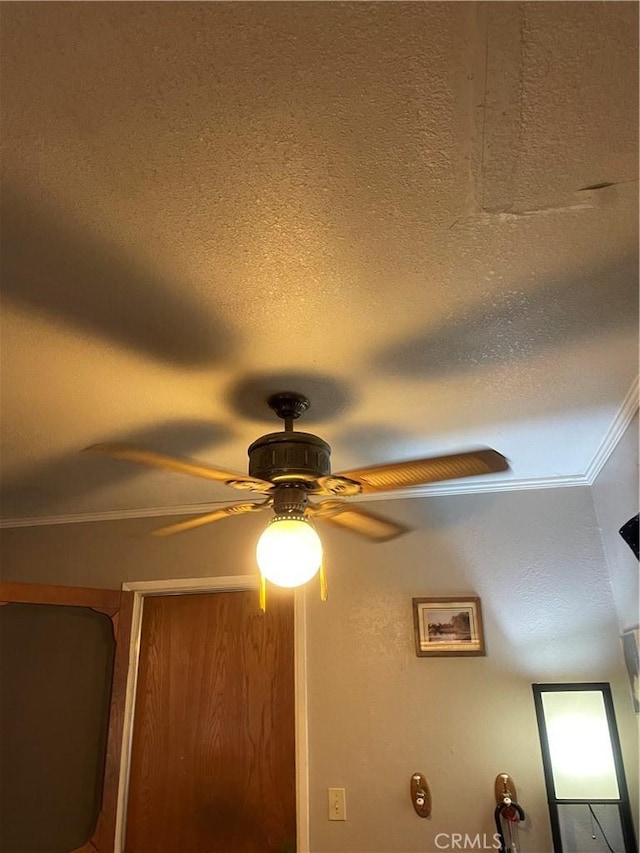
(55, 680)
(118, 607)
(213, 753)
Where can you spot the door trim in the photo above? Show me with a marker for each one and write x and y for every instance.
(142, 589)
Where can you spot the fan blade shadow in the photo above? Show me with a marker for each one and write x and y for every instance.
(522, 324)
(57, 266)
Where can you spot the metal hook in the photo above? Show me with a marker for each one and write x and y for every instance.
(420, 795)
(506, 799)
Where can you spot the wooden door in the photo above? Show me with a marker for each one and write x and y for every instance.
(213, 746)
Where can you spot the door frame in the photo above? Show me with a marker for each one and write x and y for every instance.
(193, 586)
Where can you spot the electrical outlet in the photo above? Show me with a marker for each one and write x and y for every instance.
(337, 804)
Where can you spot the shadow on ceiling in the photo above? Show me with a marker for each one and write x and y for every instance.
(504, 330)
(329, 397)
(55, 265)
(77, 475)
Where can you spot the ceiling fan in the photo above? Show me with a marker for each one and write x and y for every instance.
(287, 468)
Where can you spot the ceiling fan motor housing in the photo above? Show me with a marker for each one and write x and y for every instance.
(289, 457)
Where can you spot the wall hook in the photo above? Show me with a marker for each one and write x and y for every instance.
(420, 795)
(508, 813)
(505, 789)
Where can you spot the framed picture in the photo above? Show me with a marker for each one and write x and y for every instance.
(448, 626)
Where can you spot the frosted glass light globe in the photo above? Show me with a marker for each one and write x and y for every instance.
(289, 552)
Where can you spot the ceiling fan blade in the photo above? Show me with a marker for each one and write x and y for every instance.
(181, 466)
(356, 520)
(417, 472)
(208, 517)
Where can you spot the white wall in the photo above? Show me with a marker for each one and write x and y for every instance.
(377, 712)
(615, 495)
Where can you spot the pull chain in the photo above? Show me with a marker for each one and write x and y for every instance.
(324, 590)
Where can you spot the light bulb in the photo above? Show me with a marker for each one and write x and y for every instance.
(289, 551)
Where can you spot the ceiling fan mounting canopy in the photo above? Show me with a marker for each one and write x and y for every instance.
(289, 404)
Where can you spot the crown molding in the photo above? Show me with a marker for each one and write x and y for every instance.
(403, 494)
(618, 427)
(606, 447)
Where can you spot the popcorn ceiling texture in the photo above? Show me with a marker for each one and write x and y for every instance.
(391, 197)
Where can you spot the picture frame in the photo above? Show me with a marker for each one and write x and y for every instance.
(447, 626)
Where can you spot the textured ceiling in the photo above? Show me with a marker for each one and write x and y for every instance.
(422, 215)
